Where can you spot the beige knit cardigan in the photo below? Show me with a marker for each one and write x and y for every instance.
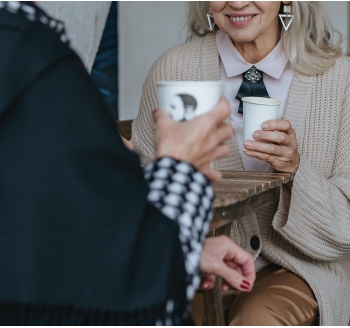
(308, 230)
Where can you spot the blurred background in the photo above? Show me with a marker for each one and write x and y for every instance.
(120, 41)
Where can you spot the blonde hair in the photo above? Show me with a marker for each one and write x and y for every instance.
(311, 44)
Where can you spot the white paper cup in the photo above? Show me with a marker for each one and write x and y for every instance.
(185, 100)
(257, 110)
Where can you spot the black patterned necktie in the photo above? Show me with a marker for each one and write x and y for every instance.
(252, 86)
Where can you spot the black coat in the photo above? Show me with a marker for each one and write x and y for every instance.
(76, 231)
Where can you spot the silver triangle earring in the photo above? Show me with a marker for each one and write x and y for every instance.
(211, 21)
(286, 14)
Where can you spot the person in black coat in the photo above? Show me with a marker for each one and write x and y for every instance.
(86, 235)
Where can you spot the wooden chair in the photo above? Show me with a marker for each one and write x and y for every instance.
(124, 128)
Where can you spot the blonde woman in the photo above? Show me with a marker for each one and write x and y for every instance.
(302, 242)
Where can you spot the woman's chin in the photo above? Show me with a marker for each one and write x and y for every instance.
(242, 39)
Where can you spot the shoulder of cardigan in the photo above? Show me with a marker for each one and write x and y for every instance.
(301, 90)
(203, 48)
(210, 58)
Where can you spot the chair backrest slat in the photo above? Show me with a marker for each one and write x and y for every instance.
(124, 128)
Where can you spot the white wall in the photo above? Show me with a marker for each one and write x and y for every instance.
(146, 30)
(339, 13)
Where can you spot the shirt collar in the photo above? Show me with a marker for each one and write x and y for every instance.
(273, 64)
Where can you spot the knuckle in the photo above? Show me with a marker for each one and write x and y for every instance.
(207, 126)
(282, 137)
(215, 265)
(259, 146)
(223, 151)
(290, 153)
(227, 149)
(202, 121)
(212, 144)
(228, 131)
(273, 149)
(283, 165)
(266, 157)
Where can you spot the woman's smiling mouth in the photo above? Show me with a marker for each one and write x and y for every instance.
(239, 20)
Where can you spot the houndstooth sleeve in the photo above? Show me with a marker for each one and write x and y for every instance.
(184, 195)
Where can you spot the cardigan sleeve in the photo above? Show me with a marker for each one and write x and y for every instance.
(143, 127)
(315, 217)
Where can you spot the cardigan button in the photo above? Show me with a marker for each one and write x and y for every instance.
(255, 243)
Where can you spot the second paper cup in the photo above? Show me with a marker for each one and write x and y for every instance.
(257, 110)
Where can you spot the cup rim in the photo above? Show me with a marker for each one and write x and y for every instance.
(189, 83)
(261, 101)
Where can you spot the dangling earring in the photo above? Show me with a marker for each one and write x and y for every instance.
(286, 14)
(211, 21)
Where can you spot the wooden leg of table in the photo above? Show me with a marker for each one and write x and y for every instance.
(213, 310)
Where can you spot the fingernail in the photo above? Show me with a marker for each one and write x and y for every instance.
(265, 125)
(244, 287)
(245, 284)
(248, 144)
(256, 134)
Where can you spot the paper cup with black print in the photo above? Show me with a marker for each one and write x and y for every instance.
(185, 100)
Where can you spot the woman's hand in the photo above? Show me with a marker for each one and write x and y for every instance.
(275, 144)
(222, 257)
(198, 141)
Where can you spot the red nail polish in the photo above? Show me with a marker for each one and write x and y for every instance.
(244, 286)
(246, 283)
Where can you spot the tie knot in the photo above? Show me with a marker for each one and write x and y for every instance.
(253, 75)
(252, 86)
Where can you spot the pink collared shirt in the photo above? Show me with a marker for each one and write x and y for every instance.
(278, 75)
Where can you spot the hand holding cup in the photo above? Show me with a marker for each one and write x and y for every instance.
(268, 138)
(198, 141)
(276, 144)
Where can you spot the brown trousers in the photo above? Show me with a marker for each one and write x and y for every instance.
(278, 298)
